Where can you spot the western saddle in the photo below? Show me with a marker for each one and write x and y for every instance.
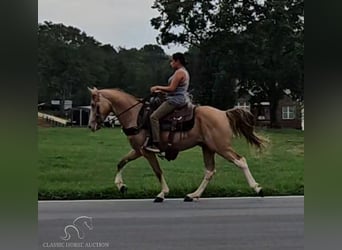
(181, 119)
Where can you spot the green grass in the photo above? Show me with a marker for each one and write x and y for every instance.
(75, 163)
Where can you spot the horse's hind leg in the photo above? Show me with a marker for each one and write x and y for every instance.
(209, 161)
(132, 155)
(241, 162)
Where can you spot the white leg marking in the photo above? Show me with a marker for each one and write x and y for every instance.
(118, 179)
(204, 183)
(251, 181)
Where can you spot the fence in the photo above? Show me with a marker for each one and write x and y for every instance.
(54, 119)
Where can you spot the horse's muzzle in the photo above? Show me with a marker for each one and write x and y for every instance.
(94, 128)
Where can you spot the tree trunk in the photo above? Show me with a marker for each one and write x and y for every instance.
(274, 94)
(61, 107)
(273, 114)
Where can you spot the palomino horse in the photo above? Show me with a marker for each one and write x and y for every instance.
(213, 130)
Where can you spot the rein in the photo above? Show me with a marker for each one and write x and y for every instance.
(136, 129)
(129, 108)
(140, 101)
(131, 130)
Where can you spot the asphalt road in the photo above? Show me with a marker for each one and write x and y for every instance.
(210, 224)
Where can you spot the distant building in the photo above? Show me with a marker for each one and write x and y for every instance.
(80, 115)
(289, 113)
(55, 105)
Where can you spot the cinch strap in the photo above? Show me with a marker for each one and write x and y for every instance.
(131, 131)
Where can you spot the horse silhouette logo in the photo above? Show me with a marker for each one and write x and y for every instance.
(78, 225)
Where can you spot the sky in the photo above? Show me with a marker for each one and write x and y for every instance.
(124, 23)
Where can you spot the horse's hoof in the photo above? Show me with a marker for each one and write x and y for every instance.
(261, 193)
(158, 200)
(123, 189)
(188, 199)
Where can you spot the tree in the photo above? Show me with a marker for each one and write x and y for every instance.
(260, 45)
(69, 61)
(276, 55)
(193, 23)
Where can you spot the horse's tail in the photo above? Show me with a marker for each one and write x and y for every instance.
(242, 123)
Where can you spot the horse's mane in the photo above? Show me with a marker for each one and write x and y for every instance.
(121, 91)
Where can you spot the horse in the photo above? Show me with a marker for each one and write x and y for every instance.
(213, 131)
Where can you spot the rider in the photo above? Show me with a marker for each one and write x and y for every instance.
(177, 96)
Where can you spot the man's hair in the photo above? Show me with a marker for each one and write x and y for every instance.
(179, 57)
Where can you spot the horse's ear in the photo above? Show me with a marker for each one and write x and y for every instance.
(92, 89)
(94, 94)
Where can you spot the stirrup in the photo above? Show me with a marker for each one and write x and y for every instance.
(153, 149)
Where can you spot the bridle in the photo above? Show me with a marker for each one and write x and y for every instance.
(128, 131)
(98, 117)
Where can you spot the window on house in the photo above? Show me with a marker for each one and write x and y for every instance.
(267, 113)
(243, 105)
(261, 113)
(288, 112)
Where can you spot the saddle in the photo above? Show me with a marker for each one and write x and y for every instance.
(181, 119)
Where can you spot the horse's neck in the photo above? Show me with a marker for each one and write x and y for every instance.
(121, 102)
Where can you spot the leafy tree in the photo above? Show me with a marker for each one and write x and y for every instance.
(260, 45)
(69, 61)
(276, 55)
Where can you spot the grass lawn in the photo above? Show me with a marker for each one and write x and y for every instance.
(74, 163)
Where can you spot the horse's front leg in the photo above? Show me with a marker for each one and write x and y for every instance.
(152, 159)
(132, 155)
